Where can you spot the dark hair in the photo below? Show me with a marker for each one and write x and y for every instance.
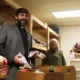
(21, 10)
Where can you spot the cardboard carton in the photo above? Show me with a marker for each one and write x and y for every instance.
(21, 75)
(69, 72)
(29, 76)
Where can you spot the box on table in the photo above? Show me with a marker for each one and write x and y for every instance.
(69, 72)
(21, 75)
(44, 68)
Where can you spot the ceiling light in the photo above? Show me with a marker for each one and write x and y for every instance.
(67, 14)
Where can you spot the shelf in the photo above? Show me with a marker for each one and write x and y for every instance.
(39, 32)
(6, 12)
(74, 59)
(78, 76)
(77, 69)
(36, 46)
(37, 23)
(75, 62)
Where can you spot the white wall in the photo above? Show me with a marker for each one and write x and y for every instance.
(69, 36)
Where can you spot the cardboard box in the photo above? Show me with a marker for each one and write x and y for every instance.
(39, 76)
(44, 68)
(69, 72)
(29, 76)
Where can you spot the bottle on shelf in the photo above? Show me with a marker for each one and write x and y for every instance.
(72, 54)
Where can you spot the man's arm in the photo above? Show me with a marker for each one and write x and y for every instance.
(3, 39)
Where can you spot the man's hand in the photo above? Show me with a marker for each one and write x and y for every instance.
(17, 59)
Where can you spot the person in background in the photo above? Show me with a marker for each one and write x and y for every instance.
(54, 56)
(15, 39)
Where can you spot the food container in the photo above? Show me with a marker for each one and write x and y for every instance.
(3, 71)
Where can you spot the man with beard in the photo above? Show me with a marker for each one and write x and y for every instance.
(14, 39)
(54, 56)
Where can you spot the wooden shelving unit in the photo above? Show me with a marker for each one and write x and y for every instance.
(76, 63)
(53, 34)
(41, 32)
(6, 13)
(39, 47)
(7, 9)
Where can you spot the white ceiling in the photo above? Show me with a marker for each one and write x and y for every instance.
(42, 10)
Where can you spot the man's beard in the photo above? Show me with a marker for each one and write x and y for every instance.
(22, 22)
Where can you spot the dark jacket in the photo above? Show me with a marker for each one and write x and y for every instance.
(55, 58)
(11, 44)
